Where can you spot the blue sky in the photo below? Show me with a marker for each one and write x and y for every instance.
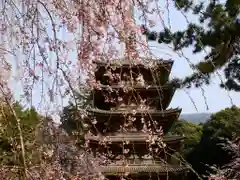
(216, 97)
(190, 100)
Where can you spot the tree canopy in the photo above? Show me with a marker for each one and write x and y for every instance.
(216, 132)
(9, 134)
(73, 115)
(192, 133)
(212, 145)
(218, 28)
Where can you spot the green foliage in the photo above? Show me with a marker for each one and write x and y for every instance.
(72, 116)
(71, 119)
(223, 124)
(73, 122)
(10, 149)
(192, 133)
(220, 128)
(204, 143)
(222, 37)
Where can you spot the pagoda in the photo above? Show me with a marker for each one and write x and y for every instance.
(130, 119)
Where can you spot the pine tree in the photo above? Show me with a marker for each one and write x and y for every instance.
(222, 36)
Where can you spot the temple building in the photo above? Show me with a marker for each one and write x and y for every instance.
(130, 119)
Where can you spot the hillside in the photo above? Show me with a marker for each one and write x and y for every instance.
(196, 117)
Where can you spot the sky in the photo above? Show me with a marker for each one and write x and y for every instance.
(192, 100)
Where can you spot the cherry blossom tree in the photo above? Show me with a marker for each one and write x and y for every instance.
(34, 52)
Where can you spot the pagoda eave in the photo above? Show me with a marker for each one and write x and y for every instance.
(149, 168)
(164, 119)
(141, 113)
(149, 93)
(140, 88)
(138, 138)
(124, 62)
(149, 68)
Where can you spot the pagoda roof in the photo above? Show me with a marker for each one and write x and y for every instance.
(152, 112)
(142, 61)
(134, 136)
(139, 88)
(141, 168)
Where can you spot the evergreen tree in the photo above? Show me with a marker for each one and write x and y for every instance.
(73, 115)
(216, 133)
(221, 36)
(10, 149)
(192, 133)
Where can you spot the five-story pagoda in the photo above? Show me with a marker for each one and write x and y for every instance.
(129, 120)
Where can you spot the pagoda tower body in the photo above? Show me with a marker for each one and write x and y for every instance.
(129, 121)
